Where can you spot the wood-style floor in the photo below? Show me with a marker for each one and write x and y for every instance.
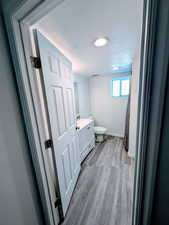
(103, 195)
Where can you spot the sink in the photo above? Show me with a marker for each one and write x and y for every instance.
(83, 123)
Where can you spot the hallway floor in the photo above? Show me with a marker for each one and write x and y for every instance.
(103, 195)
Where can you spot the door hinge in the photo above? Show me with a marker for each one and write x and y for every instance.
(36, 62)
(57, 202)
(48, 143)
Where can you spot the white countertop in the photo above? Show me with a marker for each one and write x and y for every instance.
(83, 122)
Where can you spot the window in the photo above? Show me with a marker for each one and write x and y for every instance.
(120, 87)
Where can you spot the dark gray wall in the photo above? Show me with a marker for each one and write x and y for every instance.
(19, 202)
(160, 213)
(160, 207)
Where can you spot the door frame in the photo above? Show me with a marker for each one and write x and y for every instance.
(18, 18)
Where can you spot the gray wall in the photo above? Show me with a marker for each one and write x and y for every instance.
(19, 203)
(107, 111)
(160, 214)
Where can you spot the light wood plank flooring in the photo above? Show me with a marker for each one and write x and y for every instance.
(103, 194)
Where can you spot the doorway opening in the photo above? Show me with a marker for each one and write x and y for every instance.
(86, 60)
(88, 85)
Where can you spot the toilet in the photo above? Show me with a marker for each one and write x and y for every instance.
(99, 133)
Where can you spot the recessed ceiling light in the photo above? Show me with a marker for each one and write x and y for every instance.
(101, 41)
(115, 67)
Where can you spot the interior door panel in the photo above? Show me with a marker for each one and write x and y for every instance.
(59, 91)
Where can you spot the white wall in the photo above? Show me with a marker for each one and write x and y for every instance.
(134, 106)
(84, 95)
(108, 111)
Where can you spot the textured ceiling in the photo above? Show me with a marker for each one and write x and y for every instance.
(74, 24)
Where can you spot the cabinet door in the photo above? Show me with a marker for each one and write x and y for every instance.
(89, 132)
(86, 140)
(82, 139)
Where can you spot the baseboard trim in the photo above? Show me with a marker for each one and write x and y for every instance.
(115, 135)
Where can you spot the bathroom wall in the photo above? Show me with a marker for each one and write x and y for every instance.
(108, 111)
(84, 95)
(134, 106)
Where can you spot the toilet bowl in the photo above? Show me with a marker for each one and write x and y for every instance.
(99, 133)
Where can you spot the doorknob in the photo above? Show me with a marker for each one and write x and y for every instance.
(77, 128)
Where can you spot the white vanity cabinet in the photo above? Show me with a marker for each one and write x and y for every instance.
(86, 137)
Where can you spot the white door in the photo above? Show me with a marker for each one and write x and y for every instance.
(58, 87)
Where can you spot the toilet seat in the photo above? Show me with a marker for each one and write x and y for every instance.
(99, 130)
